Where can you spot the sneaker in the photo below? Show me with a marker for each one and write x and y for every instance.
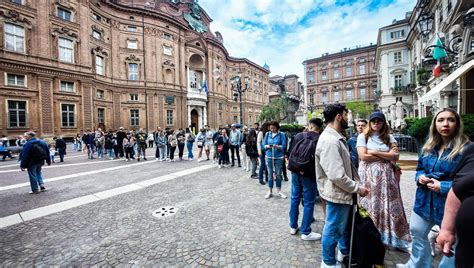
(213, 161)
(401, 265)
(323, 265)
(281, 195)
(268, 195)
(311, 236)
(42, 188)
(261, 182)
(144, 158)
(293, 231)
(340, 256)
(239, 166)
(220, 166)
(37, 192)
(199, 160)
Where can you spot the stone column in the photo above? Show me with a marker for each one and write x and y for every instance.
(187, 79)
(446, 100)
(116, 109)
(204, 116)
(189, 115)
(46, 106)
(87, 110)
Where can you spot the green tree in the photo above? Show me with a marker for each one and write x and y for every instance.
(275, 110)
(359, 108)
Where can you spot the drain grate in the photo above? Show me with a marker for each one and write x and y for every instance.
(164, 212)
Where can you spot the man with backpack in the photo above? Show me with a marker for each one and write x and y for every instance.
(141, 137)
(34, 153)
(303, 179)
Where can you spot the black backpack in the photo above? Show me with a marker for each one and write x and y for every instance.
(37, 152)
(301, 158)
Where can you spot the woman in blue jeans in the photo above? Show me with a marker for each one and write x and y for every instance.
(274, 143)
(262, 171)
(189, 143)
(440, 156)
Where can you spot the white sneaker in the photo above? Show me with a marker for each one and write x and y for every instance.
(401, 265)
(293, 231)
(311, 236)
(323, 265)
(220, 166)
(268, 195)
(281, 195)
(199, 160)
(340, 256)
(213, 161)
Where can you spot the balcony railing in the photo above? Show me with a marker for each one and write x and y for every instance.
(402, 89)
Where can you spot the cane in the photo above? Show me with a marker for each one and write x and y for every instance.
(273, 163)
(354, 211)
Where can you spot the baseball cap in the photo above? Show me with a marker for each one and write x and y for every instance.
(377, 115)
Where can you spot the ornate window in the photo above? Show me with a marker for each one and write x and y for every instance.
(132, 29)
(133, 97)
(397, 57)
(15, 80)
(97, 35)
(193, 83)
(349, 95)
(14, 37)
(64, 14)
(66, 86)
(99, 65)
(68, 115)
(336, 73)
(362, 69)
(311, 77)
(336, 96)
(348, 71)
(324, 75)
(132, 44)
(168, 50)
(100, 94)
(169, 117)
(325, 97)
(16, 114)
(100, 115)
(362, 93)
(398, 80)
(134, 117)
(66, 50)
(18, 2)
(311, 99)
(133, 71)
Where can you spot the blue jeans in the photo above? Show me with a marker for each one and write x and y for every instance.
(334, 233)
(163, 152)
(421, 251)
(274, 165)
(262, 171)
(36, 177)
(110, 152)
(302, 187)
(189, 145)
(100, 151)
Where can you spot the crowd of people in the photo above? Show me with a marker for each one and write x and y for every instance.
(327, 165)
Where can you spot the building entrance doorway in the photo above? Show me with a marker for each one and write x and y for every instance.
(194, 121)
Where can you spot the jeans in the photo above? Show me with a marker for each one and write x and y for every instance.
(36, 177)
(189, 146)
(172, 149)
(90, 151)
(421, 251)
(236, 149)
(274, 165)
(141, 150)
(163, 153)
(334, 233)
(302, 187)
(110, 153)
(157, 152)
(224, 157)
(100, 151)
(262, 171)
(180, 150)
(253, 161)
(128, 152)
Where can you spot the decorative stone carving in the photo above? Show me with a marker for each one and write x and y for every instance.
(100, 52)
(97, 28)
(64, 31)
(168, 64)
(152, 31)
(14, 16)
(115, 24)
(132, 58)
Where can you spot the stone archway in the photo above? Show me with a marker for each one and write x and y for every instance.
(194, 120)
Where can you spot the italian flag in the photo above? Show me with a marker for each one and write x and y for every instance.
(438, 53)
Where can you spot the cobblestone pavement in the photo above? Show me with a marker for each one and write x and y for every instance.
(221, 219)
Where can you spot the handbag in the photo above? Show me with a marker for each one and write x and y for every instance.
(220, 148)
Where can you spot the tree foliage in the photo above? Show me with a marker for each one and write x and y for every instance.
(359, 108)
(275, 110)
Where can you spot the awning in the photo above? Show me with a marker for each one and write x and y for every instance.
(447, 81)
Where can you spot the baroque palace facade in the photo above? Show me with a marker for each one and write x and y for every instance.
(72, 65)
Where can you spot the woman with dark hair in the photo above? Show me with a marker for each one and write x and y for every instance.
(251, 151)
(223, 146)
(189, 143)
(180, 136)
(377, 149)
(173, 143)
(441, 154)
(274, 143)
(262, 172)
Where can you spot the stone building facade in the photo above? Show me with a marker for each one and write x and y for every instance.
(72, 65)
(288, 87)
(348, 75)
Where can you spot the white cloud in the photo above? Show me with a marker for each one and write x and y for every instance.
(282, 42)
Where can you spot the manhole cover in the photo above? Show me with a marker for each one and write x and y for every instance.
(164, 212)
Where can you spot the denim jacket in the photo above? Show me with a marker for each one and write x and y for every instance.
(428, 204)
(353, 150)
(279, 139)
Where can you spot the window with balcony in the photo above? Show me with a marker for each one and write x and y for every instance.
(362, 69)
(99, 65)
(16, 80)
(397, 57)
(193, 79)
(14, 37)
(134, 117)
(64, 14)
(133, 97)
(324, 75)
(336, 73)
(67, 115)
(133, 71)
(101, 115)
(100, 94)
(169, 117)
(97, 35)
(132, 44)
(66, 50)
(311, 99)
(398, 81)
(362, 93)
(348, 71)
(16, 114)
(66, 86)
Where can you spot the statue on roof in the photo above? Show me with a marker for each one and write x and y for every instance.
(194, 18)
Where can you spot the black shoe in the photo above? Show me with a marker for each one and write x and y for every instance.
(285, 179)
(262, 182)
(239, 165)
(42, 188)
(138, 159)
(232, 165)
(144, 158)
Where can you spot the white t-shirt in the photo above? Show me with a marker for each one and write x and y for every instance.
(374, 142)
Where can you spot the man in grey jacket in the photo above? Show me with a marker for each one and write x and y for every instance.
(337, 182)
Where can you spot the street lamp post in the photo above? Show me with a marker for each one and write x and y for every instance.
(238, 90)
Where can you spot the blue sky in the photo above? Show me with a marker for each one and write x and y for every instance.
(284, 33)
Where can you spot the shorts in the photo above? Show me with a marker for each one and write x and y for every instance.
(207, 146)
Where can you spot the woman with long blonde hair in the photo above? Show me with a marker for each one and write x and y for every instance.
(440, 156)
(377, 149)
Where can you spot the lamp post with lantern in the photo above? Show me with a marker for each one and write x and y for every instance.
(236, 82)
